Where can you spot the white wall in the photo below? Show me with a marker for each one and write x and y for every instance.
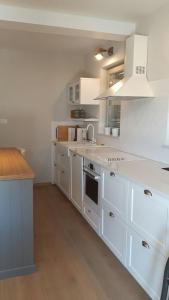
(32, 94)
(156, 26)
(144, 122)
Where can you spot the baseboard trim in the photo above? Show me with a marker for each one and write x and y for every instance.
(42, 184)
(17, 272)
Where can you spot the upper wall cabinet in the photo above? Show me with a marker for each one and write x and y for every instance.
(84, 91)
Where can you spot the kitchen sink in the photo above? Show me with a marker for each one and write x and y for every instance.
(116, 156)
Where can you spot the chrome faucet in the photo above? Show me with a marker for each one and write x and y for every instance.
(93, 140)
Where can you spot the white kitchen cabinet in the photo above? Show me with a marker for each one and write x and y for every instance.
(62, 169)
(84, 91)
(64, 182)
(149, 216)
(91, 217)
(76, 194)
(147, 242)
(135, 226)
(70, 93)
(146, 264)
(115, 192)
(114, 231)
(134, 221)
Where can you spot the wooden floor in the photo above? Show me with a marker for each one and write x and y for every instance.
(72, 261)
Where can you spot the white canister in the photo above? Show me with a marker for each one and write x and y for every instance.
(107, 130)
(84, 134)
(79, 134)
(115, 132)
(71, 134)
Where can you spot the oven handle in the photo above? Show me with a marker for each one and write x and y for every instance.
(91, 174)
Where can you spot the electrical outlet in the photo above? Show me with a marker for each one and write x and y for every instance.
(3, 121)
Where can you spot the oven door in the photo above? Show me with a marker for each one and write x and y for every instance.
(91, 188)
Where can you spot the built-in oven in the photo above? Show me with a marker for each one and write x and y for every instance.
(92, 184)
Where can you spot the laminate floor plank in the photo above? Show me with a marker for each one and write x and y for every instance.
(72, 261)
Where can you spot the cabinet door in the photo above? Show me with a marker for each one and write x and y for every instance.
(76, 180)
(89, 90)
(146, 264)
(113, 232)
(64, 182)
(115, 192)
(77, 92)
(92, 218)
(148, 215)
(70, 94)
(57, 175)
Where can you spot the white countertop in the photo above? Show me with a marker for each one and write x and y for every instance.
(144, 171)
(75, 144)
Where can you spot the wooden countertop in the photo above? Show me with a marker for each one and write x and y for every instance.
(13, 166)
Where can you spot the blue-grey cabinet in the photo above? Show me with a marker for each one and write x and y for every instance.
(16, 228)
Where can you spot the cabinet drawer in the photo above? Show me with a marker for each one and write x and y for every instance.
(91, 217)
(61, 156)
(115, 192)
(114, 232)
(146, 264)
(148, 215)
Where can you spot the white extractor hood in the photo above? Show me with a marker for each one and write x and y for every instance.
(134, 85)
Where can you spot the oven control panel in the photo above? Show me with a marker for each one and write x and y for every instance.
(92, 166)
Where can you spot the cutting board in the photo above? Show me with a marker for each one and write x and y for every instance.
(62, 132)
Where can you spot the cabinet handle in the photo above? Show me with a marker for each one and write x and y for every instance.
(89, 211)
(145, 245)
(62, 155)
(63, 172)
(111, 214)
(148, 193)
(54, 164)
(74, 155)
(112, 174)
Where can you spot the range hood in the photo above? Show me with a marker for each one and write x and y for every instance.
(134, 85)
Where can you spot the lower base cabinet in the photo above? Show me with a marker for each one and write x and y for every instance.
(92, 218)
(62, 180)
(76, 194)
(133, 223)
(114, 232)
(16, 228)
(146, 264)
(61, 169)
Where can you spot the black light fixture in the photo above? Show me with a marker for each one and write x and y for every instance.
(99, 52)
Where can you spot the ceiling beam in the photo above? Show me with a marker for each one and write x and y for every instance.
(46, 21)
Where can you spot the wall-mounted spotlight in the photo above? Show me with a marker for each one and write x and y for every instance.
(99, 52)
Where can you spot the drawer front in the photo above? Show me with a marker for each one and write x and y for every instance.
(63, 160)
(148, 215)
(61, 156)
(146, 264)
(114, 232)
(115, 192)
(91, 217)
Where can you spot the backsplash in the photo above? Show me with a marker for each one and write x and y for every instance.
(143, 128)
